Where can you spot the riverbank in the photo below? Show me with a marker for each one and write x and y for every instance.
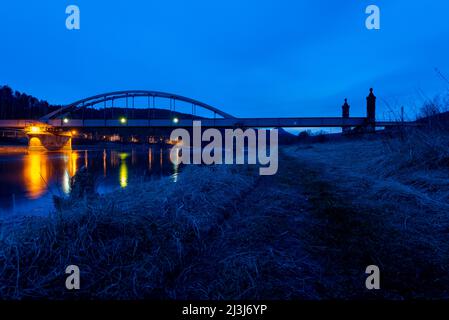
(13, 149)
(225, 232)
(217, 233)
(381, 202)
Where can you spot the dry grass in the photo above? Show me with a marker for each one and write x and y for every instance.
(390, 195)
(217, 233)
(129, 245)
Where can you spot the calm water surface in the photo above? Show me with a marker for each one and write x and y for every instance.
(29, 180)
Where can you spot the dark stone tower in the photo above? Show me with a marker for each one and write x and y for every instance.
(345, 109)
(345, 115)
(371, 110)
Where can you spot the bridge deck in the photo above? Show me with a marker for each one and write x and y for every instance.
(212, 123)
(20, 124)
(222, 123)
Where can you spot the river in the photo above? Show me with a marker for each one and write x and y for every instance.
(28, 180)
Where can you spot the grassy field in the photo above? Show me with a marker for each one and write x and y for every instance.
(375, 203)
(224, 232)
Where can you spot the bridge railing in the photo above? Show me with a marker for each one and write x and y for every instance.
(223, 123)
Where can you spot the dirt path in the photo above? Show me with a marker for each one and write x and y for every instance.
(258, 252)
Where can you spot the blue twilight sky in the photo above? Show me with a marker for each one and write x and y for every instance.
(247, 57)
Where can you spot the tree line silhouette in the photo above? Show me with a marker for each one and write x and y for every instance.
(17, 105)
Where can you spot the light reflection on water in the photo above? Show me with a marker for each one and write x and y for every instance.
(123, 170)
(35, 174)
(28, 180)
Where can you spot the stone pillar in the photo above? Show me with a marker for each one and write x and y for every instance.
(371, 111)
(49, 142)
(345, 115)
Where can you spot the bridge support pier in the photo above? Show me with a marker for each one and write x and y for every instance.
(46, 141)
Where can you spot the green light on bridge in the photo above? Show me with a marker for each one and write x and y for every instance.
(123, 120)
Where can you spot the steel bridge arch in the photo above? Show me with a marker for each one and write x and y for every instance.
(116, 95)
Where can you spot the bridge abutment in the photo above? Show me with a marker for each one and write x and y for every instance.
(49, 142)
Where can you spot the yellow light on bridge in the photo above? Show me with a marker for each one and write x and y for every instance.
(74, 132)
(35, 129)
(123, 120)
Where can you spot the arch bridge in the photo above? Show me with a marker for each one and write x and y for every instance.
(76, 114)
(54, 129)
(100, 102)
